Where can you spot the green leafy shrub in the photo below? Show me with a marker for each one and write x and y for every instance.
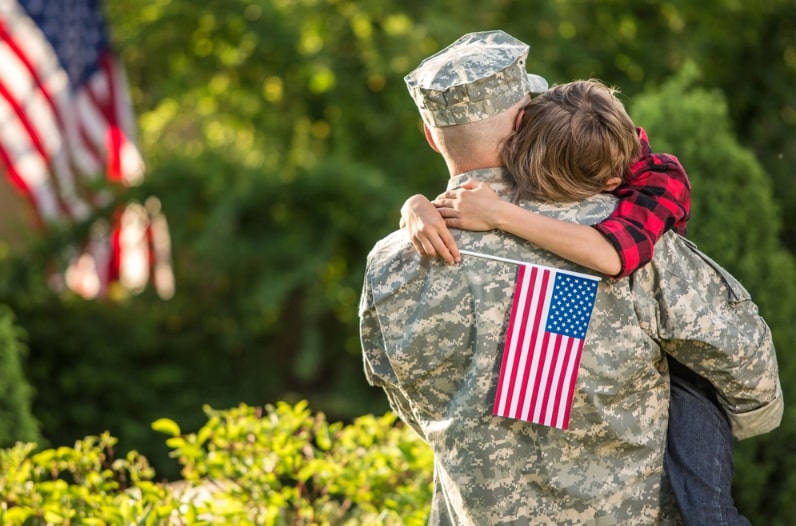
(245, 466)
(83, 484)
(16, 418)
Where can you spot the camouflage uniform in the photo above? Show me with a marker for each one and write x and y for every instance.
(432, 338)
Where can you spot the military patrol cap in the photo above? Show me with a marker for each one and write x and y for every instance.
(479, 75)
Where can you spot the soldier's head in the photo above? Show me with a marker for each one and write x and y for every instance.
(574, 140)
(469, 93)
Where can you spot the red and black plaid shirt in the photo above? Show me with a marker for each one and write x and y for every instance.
(655, 197)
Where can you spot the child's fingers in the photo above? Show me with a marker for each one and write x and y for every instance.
(433, 245)
(443, 245)
(471, 184)
(449, 195)
(448, 207)
(442, 251)
(418, 246)
(454, 256)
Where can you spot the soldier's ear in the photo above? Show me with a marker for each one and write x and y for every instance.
(430, 138)
(518, 119)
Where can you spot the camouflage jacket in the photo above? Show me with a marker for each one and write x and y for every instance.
(432, 337)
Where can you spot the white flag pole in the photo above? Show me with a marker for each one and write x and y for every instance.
(489, 256)
(516, 262)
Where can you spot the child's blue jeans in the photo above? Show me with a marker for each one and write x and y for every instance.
(698, 457)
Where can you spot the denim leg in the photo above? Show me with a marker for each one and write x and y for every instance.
(698, 456)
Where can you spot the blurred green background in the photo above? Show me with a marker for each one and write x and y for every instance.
(281, 141)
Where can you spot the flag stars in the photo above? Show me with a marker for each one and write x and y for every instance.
(75, 28)
(571, 305)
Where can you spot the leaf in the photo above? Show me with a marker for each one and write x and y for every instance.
(166, 426)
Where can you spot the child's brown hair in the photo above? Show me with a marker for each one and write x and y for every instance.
(571, 140)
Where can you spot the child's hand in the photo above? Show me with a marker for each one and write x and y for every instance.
(427, 230)
(474, 206)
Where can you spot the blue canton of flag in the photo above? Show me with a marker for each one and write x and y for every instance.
(76, 31)
(571, 305)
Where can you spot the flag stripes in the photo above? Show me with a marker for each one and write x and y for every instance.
(549, 318)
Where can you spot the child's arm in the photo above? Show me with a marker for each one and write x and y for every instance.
(477, 207)
(655, 197)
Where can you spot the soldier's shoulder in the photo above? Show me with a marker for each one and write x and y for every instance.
(588, 211)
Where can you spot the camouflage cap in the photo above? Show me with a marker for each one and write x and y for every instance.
(478, 76)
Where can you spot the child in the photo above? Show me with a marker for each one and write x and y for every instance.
(654, 197)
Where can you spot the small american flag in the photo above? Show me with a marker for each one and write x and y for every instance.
(549, 318)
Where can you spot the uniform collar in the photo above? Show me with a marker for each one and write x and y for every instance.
(498, 179)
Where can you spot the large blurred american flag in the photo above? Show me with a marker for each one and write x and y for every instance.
(66, 126)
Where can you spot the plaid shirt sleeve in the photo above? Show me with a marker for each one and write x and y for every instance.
(655, 197)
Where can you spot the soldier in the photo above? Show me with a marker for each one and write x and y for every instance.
(655, 197)
(432, 334)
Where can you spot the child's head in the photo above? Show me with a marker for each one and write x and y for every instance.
(573, 141)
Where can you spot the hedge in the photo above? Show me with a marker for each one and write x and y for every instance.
(274, 465)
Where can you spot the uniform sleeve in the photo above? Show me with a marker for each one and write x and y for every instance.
(709, 323)
(378, 370)
(655, 197)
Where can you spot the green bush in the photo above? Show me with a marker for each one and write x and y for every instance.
(16, 419)
(245, 466)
